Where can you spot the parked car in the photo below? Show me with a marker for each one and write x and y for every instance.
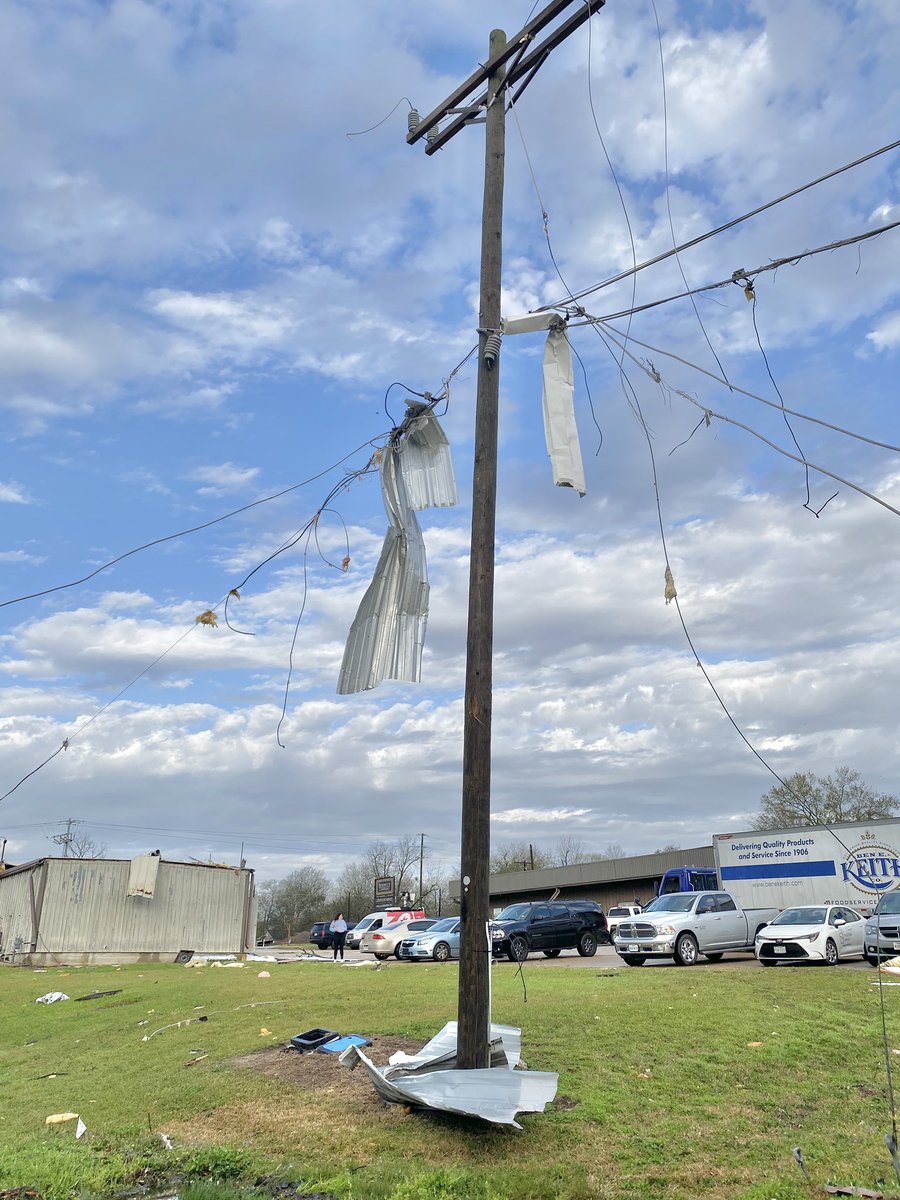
(619, 913)
(685, 925)
(813, 933)
(440, 942)
(882, 929)
(320, 934)
(550, 927)
(375, 920)
(385, 941)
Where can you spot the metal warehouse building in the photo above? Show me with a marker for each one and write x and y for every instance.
(76, 911)
(609, 881)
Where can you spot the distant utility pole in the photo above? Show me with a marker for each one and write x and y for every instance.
(65, 839)
(509, 62)
(421, 862)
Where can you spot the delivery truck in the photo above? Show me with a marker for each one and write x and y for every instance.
(852, 863)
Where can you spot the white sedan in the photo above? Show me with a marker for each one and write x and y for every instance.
(814, 933)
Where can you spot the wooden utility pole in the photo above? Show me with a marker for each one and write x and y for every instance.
(509, 62)
(475, 957)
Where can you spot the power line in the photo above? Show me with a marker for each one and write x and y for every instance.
(170, 537)
(662, 72)
(740, 276)
(614, 335)
(650, 262)
(709, 413)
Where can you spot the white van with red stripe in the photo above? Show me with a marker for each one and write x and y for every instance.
(375, 920)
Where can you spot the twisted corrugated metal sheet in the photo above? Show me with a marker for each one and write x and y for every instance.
(426, 463)
(388, 633)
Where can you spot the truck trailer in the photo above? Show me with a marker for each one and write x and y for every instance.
(852, 863)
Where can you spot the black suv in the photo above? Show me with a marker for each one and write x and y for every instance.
(320, 934)
(549, 926)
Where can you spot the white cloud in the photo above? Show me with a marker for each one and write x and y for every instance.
(13, 493)
(219, 479)
(238, 324)
(14, 556)
(886, 333)
(529, 816)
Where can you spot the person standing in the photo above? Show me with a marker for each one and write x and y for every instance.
(338, 935)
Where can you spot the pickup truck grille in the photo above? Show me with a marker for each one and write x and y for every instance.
(635, 930)
(891, 932)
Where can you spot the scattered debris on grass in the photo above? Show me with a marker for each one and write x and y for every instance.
(51, 998)
(432, 1080)
(98, 995)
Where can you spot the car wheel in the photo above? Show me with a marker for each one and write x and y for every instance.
(633, 960)
(441, 952)
(686, 950)
(831, 953)
(552, 953)
(397, 953)
(714, 957)
(587, 944)
(382, 957)
(518, 947)
(872, 959)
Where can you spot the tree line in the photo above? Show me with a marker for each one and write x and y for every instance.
(289, 906)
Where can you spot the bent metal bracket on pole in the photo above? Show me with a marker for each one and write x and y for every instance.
(465, 106)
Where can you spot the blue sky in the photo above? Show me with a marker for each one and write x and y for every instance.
(206, 289)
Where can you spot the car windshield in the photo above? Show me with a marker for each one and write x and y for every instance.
(515, 912)
(619, 912)
(443, 926)
(889, 903)
(364, 924)
(801, 916)
(676, 902)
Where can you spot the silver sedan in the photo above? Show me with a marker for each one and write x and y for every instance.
(439, 943)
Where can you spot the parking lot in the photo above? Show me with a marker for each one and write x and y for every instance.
(572, 960)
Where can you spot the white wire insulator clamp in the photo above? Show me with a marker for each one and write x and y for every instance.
(413, 120)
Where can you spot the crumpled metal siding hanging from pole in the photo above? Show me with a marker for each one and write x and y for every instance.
(560, 429)
(425, 461)
(387, 636)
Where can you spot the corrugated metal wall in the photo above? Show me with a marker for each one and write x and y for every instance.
(86, 909)
(15, 907)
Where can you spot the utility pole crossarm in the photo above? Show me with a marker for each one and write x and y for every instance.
(526, 64)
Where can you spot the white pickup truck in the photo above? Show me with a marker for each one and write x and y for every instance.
(684, 925)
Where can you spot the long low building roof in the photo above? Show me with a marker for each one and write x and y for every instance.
(591, 874)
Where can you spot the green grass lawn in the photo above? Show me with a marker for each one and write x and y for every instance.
(674, 1083)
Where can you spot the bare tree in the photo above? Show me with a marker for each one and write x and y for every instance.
(669, 849)
(399, 859)
(519, 856)
(613, 850)
(82, 846)
(570, 849)
(353, 890)
(300, 899)
(808, 799)
(266, 899)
